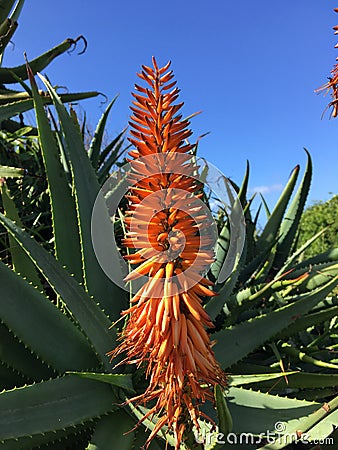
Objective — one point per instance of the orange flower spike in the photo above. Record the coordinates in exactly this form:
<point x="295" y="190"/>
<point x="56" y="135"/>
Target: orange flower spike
<point x="332" y="84"/>
<point x="166" y="330"/>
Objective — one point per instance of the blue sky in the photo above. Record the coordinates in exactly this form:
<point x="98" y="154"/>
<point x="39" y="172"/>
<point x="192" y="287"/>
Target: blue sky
<point x="250" y="66"/>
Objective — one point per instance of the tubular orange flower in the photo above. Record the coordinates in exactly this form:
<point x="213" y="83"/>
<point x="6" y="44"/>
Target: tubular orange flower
<point x="168" y="227"/>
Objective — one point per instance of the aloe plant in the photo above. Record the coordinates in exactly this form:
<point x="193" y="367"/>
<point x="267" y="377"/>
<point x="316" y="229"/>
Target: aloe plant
<point x="13" y="102"/>
<point x="275" y="315"/>
<point x="57" y="377"/>
<point x="20" y="152"/>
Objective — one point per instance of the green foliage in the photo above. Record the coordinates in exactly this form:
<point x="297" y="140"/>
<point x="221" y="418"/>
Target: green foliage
<point x="275" y="316"/>
<point x="13" y="102"/>
<point x="69" y="319"/>
<point x="263" y="305"/>
<point x="272" y="324"/>
<point x="19" y="149"/>
<point x="315" y="218"/>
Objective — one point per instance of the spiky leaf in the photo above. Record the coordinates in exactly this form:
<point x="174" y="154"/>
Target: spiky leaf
<point x="65" y="226"/>
<point x="236" y="342"/>
<point x="87" y="194"/>
<point x="41" y="326"/>
<point x="52" y="405"/>
<point x="92" y="320"/>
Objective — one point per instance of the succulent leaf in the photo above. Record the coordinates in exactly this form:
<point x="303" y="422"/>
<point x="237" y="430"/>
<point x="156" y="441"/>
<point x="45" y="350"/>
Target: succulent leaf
<point x="11" y="172"/>
<point x="6" y="7"/>
<point x="113" y="431"/>
<point x="45" y="329"/>
<point x="20" y="261"/>
<point x="87" y="193"/>
<point x="10" y="107"/>
<point x="271" y="233"/>
<point x="64" y="219"/>
<point x="92" y="320"/>
<point x="231" y="347"/>
<point x="95" y="145"/>
<point x="18" y="357"/>
<point x="290" y="224"/>
<point x="37" y="64"/>
<point x="123" y="381"/>
<point x="52" y="405"/>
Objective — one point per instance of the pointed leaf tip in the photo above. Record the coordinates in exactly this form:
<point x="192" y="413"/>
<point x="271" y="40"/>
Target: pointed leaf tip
<point x="224" y="416"/>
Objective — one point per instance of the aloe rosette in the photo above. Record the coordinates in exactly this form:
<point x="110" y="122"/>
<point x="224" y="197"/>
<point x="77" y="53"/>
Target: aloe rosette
<point x="273" y="320"/>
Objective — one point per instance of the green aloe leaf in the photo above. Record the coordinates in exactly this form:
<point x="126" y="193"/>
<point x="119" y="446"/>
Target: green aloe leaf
<point x="256" y="412"/>
<point x="95" y="145"/>
<point x="245" y="299"/>
<point x="21" y="263"/>
<point x="52" y="405"/>
<point x="8" y="110"/>
<point x="290" y="262"/>
<point x="5" y="8"/>
<point x="215" y="304"/>
<point x="271" y="231"/>
<point x="37" y="64"/>
<point x="7" y="30"/>
<point x="106" y="167"/>
<point x="226" y="247"/>
<point x="221" y="251"/>
<point x="266" y="206"/>
<point x="45" y="329"/>
<point x="92" y="320"/>
<point x="295" y="380"/>
<point x="314" y="395"/>
<point x="323" y="258"/>
<point x="17" y="10"/>
<point x="123" y="381"/>
<point x="256" y="416"/>
<point x="318" y="275"/>
<point x="324" y="428"/>
<point x="57" y="440"/>
<point x="12" y="126"/>
<point x="239" y="380"/>
<point x="114" y="431"/>
<point x="234" y="343"/>
<point x="104" y="154"/>
<point x="11" y="172"/>
<point x="223" y="413"/>
<point x="242" y="194"/>
<point x="290" y="224"/>
<point x="230" y="234"/>
<point x="16" y="356"/>
<point x="17" y="136"/>
<point x="251" y="230"/>
<point x="302" y="356"/>
<point x="87" y="194"/>
<point x="258" y="260"/>
<point x="9" y="377"/>
<point x="64" y="218"/>
<point x="316" y="426"/>
<point x="309" y="320"/>
<point x="11" y="107"/>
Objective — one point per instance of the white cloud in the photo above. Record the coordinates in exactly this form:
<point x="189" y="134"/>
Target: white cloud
<point x="267" y="189"/>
